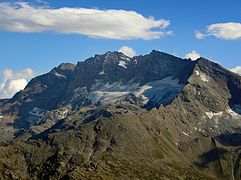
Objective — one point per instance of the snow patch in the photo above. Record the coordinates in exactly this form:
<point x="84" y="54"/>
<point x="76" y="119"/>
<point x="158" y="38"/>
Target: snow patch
<point x="228" y="111"/>
<point x="185" y="134"/>
<point x="122" y="64"/>
<point x="125" y="58"/>
<point x="161" y="91"/>
<point x="102" y="73"/>
<point x="109" y="92"/>
<point x="231" y="112"/>
<point x="202" y="76"/>
<point x="141" y="90"/>
<point x="60" y="75"/>
<point x="106" y="96"/>
<point x="211" y="114"/>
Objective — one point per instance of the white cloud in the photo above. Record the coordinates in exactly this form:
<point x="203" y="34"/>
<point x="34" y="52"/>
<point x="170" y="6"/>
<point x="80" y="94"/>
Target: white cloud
<point x="193" y="55"/>
<point x="226" y="31"/>
<point x="199" y="35"/>
<point x="237" y="70"/>
<point x="128" y="51"/>
<point x="95" y="23"/>
<point x="8" y="73"/>
<point x="14" y="81"/>
<point x="25" y="74"/>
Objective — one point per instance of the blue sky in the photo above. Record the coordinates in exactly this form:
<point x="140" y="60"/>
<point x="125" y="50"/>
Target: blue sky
<point x="41" y="50"/>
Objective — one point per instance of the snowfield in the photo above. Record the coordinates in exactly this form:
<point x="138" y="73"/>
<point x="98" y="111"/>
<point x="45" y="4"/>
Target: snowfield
<point x="155" y="92"/>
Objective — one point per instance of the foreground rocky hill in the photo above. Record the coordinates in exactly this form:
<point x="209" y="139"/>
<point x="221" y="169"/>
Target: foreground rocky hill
<point x="114" y="117"/>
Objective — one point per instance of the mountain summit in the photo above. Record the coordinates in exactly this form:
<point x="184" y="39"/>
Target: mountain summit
<point x="111" y="116"/>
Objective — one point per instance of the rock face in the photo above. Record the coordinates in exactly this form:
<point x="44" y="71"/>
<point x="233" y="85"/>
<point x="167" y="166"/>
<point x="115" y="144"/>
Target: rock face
<point x="114" y="117"/>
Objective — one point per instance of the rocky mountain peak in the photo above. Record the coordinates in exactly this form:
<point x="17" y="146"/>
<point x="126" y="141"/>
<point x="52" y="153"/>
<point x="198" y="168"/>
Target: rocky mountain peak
<point x="149" y="81"/>
<point x="110" y="56"/>
<point x="66" y="66"/>
<point x="159" y="53"/>
<point x="111" y="111"/>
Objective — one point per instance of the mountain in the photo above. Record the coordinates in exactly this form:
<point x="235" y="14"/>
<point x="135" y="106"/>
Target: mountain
<point x="114" y="117"/>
